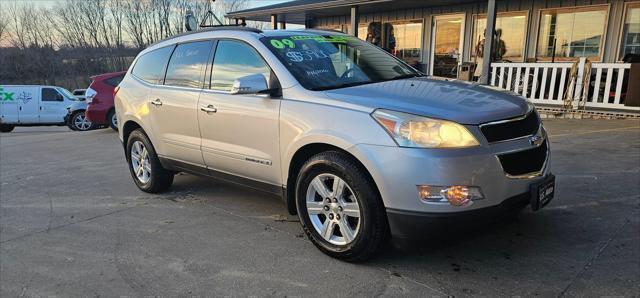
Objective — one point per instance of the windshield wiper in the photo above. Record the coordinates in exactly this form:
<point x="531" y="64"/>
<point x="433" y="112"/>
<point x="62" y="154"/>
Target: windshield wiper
<point x="345" y="85"/>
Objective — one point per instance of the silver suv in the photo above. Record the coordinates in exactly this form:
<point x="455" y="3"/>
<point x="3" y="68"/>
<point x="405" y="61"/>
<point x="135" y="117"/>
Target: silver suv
<point x="359" y="144"/>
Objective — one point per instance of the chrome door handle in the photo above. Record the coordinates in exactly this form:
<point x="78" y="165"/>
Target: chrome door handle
<point x="157" y="102"/>
<point x="209" y="109"/>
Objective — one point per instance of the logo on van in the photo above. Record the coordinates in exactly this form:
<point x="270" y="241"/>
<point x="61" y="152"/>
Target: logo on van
<point x="25" y="97"/>
<point x="5" y="95"/>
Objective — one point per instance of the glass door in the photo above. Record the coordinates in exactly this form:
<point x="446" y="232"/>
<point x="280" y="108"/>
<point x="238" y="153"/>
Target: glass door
<point x="446" y="45"/>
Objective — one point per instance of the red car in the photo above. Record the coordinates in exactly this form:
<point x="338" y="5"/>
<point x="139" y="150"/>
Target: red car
<point x="100" y="108"/>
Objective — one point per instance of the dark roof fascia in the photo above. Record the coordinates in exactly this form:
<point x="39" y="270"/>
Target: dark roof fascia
<point x="279" y="8"/>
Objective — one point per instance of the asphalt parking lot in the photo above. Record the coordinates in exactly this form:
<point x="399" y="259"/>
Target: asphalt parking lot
<point x="73" y="223"/>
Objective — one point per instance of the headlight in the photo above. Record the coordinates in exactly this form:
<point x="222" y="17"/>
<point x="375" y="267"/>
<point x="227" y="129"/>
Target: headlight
<point x="415" y="131"/>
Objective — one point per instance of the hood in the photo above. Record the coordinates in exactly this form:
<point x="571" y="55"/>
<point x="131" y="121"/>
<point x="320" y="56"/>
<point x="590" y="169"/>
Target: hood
<point x="77" y="105"/>
<point x="458" y="101"/>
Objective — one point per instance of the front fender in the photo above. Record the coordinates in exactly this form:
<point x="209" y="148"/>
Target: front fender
<point x="304" y="123"/>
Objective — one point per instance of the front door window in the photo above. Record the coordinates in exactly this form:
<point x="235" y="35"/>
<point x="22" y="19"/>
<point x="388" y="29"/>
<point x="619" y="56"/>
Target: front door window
<point x="447" y="45"/>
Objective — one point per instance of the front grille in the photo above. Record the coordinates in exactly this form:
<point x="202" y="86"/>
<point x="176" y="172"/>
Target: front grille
<point x="508" y="130"/>
<point x="524" y="162"/>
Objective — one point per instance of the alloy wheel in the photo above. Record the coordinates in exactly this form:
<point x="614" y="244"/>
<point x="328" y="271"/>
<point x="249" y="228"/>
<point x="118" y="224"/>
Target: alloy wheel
<point x="141" y="162"/>
<point x="114" y="120"/>
<point x="333" y="209"/>
<point x="80" y="122"/>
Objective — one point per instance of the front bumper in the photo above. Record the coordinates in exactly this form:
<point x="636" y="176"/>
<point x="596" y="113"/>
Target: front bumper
<point x="410" y="224"/>
<point x="397" y="171"/>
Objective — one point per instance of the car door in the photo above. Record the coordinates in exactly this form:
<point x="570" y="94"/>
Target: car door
<point x="174" y="103"/>
<point x="52" y="106"/>
<point x="10" y="104"/>
<point x="28" y="101"/>
<point x="239" y="131"/>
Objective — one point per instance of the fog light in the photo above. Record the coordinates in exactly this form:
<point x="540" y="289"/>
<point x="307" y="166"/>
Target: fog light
<point x="455" y="195"/>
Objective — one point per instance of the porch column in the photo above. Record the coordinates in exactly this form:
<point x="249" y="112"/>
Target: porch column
<point x="274" y="21"/>
<point x="283" y="25"/>
<point x="355" y="19"/>
<point x="488" y="42"/>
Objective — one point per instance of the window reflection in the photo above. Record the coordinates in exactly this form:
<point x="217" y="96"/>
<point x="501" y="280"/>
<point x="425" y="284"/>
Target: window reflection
<point x="187" y="64"/>
<point x="404" y="40"/>
<point x="509" y="39"/>
<point x="631" y="31"/>
<point x="234" y="60"/>
<point x="572" y="33"/>
<point x="150" y="66"/>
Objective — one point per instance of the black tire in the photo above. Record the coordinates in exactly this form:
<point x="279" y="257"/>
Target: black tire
<point x="160" y="178"/>
<point x="112" y="120"/>
<point x="374" y="229"/>
<point x="6" y="127"/>
<point x="72" y="122"/>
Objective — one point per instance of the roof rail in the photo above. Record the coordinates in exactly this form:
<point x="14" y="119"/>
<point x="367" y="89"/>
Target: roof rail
<point x="208" y="29"/>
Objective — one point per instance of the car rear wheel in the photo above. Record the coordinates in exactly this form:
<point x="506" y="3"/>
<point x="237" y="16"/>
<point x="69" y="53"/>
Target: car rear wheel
<point x="144" y="165"/>
<point x="113" y="120"/>
<point x="6" y="127"/>
<point x="79" y="121"/>
<point x="339" y="207"/>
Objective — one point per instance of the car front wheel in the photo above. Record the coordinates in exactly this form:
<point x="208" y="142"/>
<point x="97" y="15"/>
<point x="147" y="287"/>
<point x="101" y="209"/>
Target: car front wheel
<point x="79" y="121"/>
<point x="144" y="165"/>
<point x="339" y="207"/>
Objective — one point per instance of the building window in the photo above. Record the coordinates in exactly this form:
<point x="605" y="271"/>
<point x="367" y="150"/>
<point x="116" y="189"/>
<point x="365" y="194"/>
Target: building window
<point x="566" y="34"/>
<point x="631" y="31"/>
<point x="403" y="39"/>
<point x="371" y="32"/>
<point x="510" y="36"/>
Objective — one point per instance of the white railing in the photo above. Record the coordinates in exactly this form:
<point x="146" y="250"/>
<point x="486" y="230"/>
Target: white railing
<point x="552" y="83"/>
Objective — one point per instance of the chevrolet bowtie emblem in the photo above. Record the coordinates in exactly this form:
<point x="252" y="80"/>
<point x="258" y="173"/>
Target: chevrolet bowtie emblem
<point x="536" y="140"/>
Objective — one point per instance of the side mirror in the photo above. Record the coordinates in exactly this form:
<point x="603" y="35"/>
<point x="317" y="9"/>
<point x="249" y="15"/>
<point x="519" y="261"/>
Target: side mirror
<point x="251" y="84"/>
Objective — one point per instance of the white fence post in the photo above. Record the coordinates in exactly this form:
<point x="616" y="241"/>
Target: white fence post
<point x="553" y="91"/>
<point x="579" y="79"/>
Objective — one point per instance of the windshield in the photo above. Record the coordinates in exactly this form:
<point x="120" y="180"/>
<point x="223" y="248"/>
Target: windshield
<point x="322" y="62"/>
<point x="67" y="94"/>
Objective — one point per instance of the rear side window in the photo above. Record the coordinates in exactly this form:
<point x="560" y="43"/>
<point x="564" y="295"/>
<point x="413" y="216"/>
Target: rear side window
<point x="50" y="94"/>
<point x="187" y="64"/>
<point x="113" y="82"/>
<point x="150" y="66"/>
<point x="234" y="60"/>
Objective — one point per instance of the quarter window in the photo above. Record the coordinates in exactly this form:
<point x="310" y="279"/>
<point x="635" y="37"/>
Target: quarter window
<point x="572" y="33"/>
<point x="187" y="64"/>
<point x="234" y="60"/>
<point x="150" y="66"/>
<point x="631" y="31"/>
<point x="50" y="94"/>
<point x="509" y="38"/>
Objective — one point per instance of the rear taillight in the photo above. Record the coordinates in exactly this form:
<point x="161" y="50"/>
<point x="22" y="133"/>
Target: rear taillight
<point x="115" y="91"/>
<point x="90" y="94"/>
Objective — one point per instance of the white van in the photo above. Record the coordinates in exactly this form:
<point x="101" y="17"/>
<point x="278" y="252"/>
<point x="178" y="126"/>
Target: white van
<point x="32" y="105"/>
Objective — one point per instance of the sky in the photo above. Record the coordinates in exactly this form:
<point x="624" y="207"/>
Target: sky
<point x="49" y="3"/>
